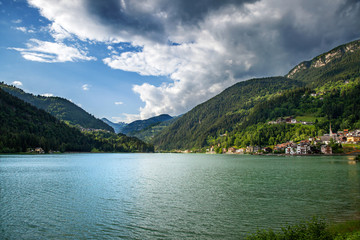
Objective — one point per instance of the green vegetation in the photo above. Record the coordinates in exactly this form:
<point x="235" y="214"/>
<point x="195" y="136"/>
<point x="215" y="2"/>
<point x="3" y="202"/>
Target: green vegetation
<point x="111" y="142"/>
<point x="315" y="229"/>
<point x="322" y="91"/>
<point x="60" y="108"/>
<point x="327" y="70"/>
<point x="339" y="106"/>
<point x="139" y="125"/>
<point x="221" y="113"/>
<point x="147" y="134"/>
<point x="24" y="126"/>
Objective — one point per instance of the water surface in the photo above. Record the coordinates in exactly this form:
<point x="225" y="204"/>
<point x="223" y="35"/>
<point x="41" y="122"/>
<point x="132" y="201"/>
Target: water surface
<point x="169" y="196"/>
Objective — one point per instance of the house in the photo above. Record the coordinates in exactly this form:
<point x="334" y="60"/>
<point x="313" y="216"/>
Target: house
<point x="303" y="149"/>
<point x="290" y="150"/>
<point x="257" y="149"/>
<point x="353" y="139"/>
<point x="326" y="149"/>
<point x="231" y="150"/>
<point x="288" y="120"/>
<point x="39" y="150"/>
<point x="282" y="146"/>
<point x="249" y="149"/>
<point x="293" y="121"/>
<point x="240" y="151"/>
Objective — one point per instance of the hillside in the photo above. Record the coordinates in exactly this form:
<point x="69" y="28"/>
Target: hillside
<point x="24" y="126"/>
<point x="340" y="64"/>
<point x="147" y="134"/>
<point x="60" y="108"/>
<point x="340" y="107"/>
<point x="221" y="113"/>
<point x="139" y="125"/>
<point x="324" y="89"/>
<point x="116" y="126"/>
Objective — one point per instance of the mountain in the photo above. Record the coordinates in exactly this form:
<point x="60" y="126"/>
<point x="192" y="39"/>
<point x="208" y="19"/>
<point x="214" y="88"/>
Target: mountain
<point x="24" y="126"/>
<point x="323" y="90"/>
<point x="340" y="64"/>
<point x="116" y="126"/>
<point x="221" y="113"/>
<point x="139" y="125"/>
<point x="147" y="134"/>
<point x="60" y="108"/>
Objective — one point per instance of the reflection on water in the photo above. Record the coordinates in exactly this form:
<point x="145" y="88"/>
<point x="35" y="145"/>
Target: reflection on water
<point x="146" y="196"/>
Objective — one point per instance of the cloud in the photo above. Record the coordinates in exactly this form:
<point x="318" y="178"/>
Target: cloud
<point x="119" y="103"/>
<point x="22" y="29"/>
<point x="50" y="52"/>
<point x="86" y="87"/>
<point x="58" y="32"/>
<point x="203" y="47"/>
<point x="47" y="95"/>
<point x="17" y="83"/>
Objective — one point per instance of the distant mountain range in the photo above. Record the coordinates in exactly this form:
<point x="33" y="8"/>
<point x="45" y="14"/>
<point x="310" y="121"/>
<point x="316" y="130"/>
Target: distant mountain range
<point x="116" y="126"/>
<point x="60" y="108"/>
<point x="139" y="125"/>
<point x="323" y="90"/>
<point x="142" y="129"/>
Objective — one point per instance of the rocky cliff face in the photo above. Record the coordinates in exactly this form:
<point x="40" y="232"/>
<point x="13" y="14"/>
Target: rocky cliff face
<point x="326" y="58"/>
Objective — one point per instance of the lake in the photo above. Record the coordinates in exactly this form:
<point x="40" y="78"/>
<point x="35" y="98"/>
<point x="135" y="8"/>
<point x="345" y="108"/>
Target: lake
<point x="170" y="196"/>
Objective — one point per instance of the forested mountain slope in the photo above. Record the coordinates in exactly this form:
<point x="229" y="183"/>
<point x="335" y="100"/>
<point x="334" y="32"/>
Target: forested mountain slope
<point x="24" y="126"/>
<point x="221" y="113"/>
<point x="324" y="89"/>
<point x="60" y="108"/>
<point x="340" y="64"/>
<point x="138" y="125"/>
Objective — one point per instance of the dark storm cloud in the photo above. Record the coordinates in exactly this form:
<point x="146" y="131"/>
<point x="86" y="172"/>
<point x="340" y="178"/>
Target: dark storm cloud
<point x="215" y="42"/>
<point x="190" y="11"/>
<point x="136" y="17"/>
<point x="124" y="18"/>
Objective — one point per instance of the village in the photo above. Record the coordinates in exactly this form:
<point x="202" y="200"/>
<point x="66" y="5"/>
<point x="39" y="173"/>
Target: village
<point x="313" y="145"/>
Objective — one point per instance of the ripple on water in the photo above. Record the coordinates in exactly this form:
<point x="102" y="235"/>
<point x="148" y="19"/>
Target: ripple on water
<point x="147" y="196"/>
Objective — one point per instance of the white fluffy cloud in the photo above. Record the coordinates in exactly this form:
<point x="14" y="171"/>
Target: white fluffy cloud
<point x="201" y="48"/>
<point x="17" y="83"/>
<point x="118" y="103"/>
<point x="43" y="51"/>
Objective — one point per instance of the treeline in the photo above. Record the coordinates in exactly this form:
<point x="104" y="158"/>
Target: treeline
<point x="221" y="113"/>
<point x="340" y="106"/>
<point x="24" y="126"/>
<point x="111" y="142"/>
<point x="60" y="108"/>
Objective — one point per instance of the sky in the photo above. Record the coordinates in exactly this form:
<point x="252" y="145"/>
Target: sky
<point x="134" y="59"/>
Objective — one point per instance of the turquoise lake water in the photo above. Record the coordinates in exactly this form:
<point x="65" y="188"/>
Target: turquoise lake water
<point x="170" y="196"/>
